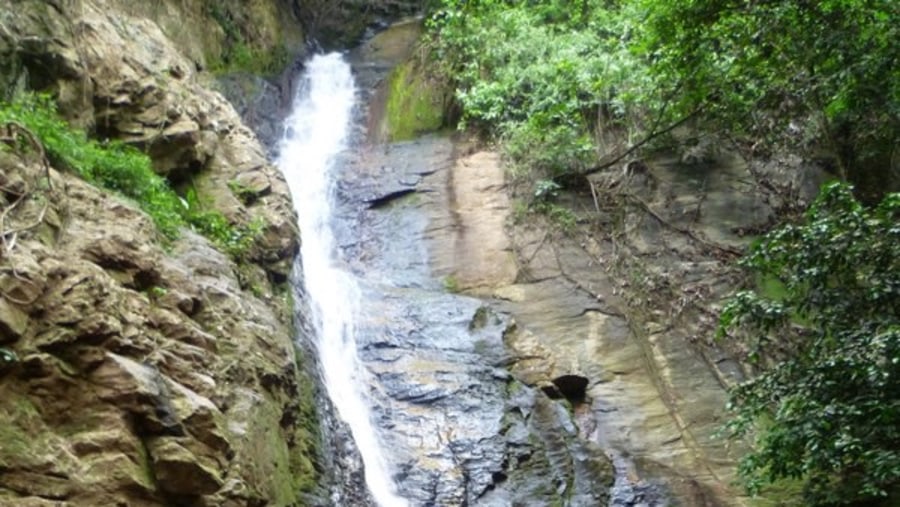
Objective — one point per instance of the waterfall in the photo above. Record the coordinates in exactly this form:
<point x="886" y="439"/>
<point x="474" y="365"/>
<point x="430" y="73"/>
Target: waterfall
<point x="315" y="134"/>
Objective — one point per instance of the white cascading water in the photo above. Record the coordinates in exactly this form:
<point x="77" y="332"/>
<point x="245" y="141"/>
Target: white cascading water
<point x="316" y="133"/>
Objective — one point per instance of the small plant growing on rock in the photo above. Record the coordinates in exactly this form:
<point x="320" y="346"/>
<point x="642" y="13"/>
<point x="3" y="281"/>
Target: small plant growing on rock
<point x="546" y="190"/>
<point x="110" y="165"/>
<point x="236" y="241"/>
<point x="451" y="284"/>
<point x="157" y="292"/>
<point x="242" y="192"/>
<point x="124" y="170"/>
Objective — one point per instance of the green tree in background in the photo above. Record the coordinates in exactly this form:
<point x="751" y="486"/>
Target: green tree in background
<point x="547" y="77"/>
<point x="824" y="70"/>
<point x="540" y="76"/>
<point x="828" y="411"/>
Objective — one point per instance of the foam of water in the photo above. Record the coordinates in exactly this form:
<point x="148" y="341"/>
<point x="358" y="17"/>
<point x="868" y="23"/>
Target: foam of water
<point x="315" y="134"/>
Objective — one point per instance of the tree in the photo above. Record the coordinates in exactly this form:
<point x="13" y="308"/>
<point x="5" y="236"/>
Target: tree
<point x="827" y="70"/>
<point x="826" y="406"/>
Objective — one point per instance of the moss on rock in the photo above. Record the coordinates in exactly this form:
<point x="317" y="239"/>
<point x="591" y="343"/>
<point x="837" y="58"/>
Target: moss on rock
<point x="415" y="103"/>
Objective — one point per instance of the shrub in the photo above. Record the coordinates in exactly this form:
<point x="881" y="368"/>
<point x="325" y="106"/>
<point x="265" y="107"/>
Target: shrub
<point x="539" y="75"/>
<point x="826" y="406"/>
<point x="111" y="165"/>
<point x="126" y="171"/>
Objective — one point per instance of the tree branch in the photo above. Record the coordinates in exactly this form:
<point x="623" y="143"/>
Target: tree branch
<point x="653" y="135"/>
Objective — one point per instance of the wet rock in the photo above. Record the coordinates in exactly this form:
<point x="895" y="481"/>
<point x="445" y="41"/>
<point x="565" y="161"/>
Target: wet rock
<point x="459" y="428"/>
<point x="384" y="200"/>
<point x="343" y="25"/>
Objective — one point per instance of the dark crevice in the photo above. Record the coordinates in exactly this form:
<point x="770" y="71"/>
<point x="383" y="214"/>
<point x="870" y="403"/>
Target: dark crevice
<point x="571" y="387"/>
<point x="382" y="201"/>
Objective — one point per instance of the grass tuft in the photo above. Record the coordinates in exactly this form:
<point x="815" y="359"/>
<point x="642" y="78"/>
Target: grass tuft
<point x="115" y="166"/>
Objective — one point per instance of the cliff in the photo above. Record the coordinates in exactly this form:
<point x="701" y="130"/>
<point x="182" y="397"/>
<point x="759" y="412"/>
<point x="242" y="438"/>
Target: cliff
<point x="139" y="370"/>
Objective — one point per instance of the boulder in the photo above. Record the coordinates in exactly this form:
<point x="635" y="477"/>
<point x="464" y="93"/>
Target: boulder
<point x="179" y="471"/>
<point x="140" y="390"/>
<point x="13" y="322"/>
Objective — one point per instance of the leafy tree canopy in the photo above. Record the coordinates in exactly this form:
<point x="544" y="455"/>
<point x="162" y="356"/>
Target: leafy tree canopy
<point x="548" y="76"/>
<point x="538" y="75"/>
<point x="825" y="69"/>
<point x="829" y="411"/>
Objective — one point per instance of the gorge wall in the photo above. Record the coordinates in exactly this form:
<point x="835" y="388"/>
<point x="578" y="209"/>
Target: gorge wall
<point x="138" y="371"/>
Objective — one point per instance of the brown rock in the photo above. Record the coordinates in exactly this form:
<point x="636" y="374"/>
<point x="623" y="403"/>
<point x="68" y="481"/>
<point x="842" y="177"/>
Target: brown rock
<point x="200" y="417"/>
<point x="127" y="344"/>
<point x="28" y="483"/>
<point x="181" y="472"/>
<point x="121" y="469"/>
<point x="252" y="184"/>
<point x="13" y="322"/>
<point x="27" y="283"/>
<point x="138" y="389"/>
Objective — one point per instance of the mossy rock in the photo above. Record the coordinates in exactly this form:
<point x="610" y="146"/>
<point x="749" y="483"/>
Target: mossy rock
<point x="415" y="103"/>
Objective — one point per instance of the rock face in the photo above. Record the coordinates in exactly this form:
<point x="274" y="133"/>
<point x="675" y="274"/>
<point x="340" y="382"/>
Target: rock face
<point x="133" y="373"/>
<point x="629" y="301"/>
<point x="342" y="24"/>
<point x="613" y="319"/>
<point x="458" y="427"/>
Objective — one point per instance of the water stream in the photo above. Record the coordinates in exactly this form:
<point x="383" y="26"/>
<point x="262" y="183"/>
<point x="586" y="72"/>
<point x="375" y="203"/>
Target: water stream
<point x="316" y="133"/>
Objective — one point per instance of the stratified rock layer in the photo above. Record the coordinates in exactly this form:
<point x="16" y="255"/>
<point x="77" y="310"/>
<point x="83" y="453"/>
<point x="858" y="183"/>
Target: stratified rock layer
<point x="137" y="374"/>
<point x="460" y="428"/>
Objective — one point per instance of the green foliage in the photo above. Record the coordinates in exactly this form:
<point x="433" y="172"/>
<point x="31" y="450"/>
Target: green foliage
<point x="559" y="215"/>
<point x="546" y="190"/>
<point x="124" y="170"/>
<point x="759" y="66"/>
<point x="242" y="192"/>
<point x="827" y="408"/>
<point x="451" y="284"/>
<point x="545" y="76"/>
<point x="539" y="75"/>
<point x="233" y="240"/>
<point x="156" y="292"/>
<point x="111" y="165"/>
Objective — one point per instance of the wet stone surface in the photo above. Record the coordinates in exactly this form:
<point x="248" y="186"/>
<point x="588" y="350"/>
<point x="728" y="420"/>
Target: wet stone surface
<point x="457" y="427"/>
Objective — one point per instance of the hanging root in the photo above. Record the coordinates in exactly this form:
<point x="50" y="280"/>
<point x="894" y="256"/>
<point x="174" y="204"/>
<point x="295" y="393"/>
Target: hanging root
<point x="17" y="135"/>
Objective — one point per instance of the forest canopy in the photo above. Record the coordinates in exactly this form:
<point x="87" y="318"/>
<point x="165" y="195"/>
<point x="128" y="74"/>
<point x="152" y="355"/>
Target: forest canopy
<point x="552" y="78"/>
